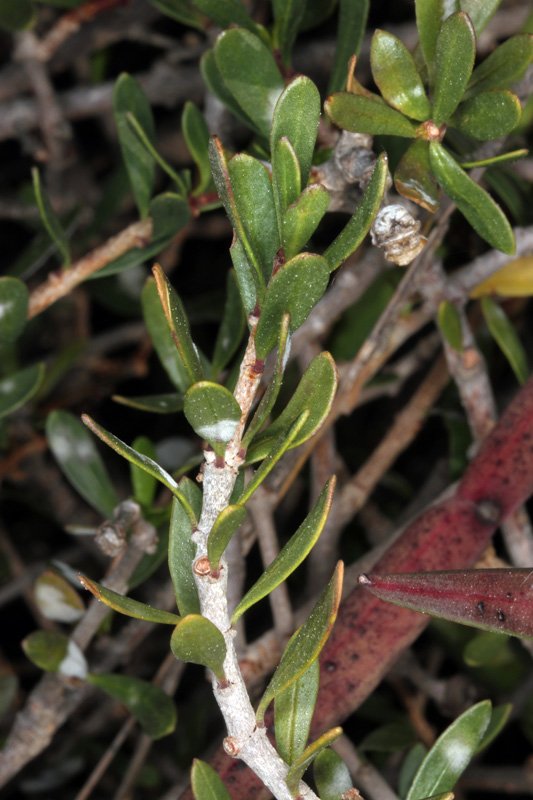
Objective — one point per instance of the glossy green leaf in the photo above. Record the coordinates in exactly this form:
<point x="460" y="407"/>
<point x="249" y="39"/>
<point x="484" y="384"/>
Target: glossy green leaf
<point x="296" y="116"/>
<point x="142" y="461"/>
<point x="255" y="210"/>
<point x="505" y="66"/>
<point x="196" y="135"/>
<point x="15" y="16"/>
<point x="294" y="289"/>
<point x="215" y="82"/>
<point x="352" y="235"/>
<point x="14" y="297"/>
<point x="247" y="283"/>
<point x="49" y="218"/>
<point x="169" y="403"/>
<point x="286" y="178"/>
<point x="161" y="336"/>
<point x="488" y="115"/>
<point x="144" y="485"/>
<point x="182" y="549"/>
<point x="226" y="13"/>
<point x="305" y="760"/>
<point x="178" y="324"/>
<point x="451" y="753"/>
<point x="449" y="323"/>
<point x="128" y="97"/>
<point x="484" y="215"/>
<point x="19" y="387"/>
<point x="54" y="652"/>
<point x="429" y="16"/>
<point x="125" y="605"/>
<point x="397" y="77"/>
<point x="362" y="114"/>
<point x="480" y="12"/>
<point x="224" y="528"/>
<point x="213" y="413"/>
<point x="413" y="177"/>
<point x="232" y="327"/>
<point x="351" y="26"/>
<point x="292" y="554"/>
<point x="153" y="709"/>
<point x="76" y="454"/>
<point x="305" y="645"/>
<point x="57" y="599"/>
<point x="500" y="717"/>
<point x="250" y="74"/>
<point x="302" y="218"/>
<point x="314" y="395"/>
<point x="502" y="158"/>
<point x="198" y="641"/>
<point x="183" y="11"/>
<point x="504" y="333"/>
<point x="206" y="783"/>
<point x="332" y="777"/>
<point x="293" y="712"/>
<point x="454" y="61"/>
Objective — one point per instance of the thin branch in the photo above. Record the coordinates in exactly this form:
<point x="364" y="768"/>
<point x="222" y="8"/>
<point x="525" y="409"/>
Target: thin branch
<point x="364" y="775"/>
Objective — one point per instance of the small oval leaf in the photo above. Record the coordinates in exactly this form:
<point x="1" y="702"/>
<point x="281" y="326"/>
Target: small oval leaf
<point x="224" y="527"/>
<point x="49" y="218"/>
<point x="128" y="606"/>
<point x="332" y="776"/>
<point x="14" y="297"/>
<point x="363" y="114"/>
<point x="296" y="117"/>
<point x="196" y="135"/>
<point x="454" y="61"/>
<point x="504" y="333"/>
<point x="293" y="712"/>
<point x="198" y="641"/>
<point x="488" y="115"/>
<point x="300" y="765"/>
<point x="397" y="77"/>
<point x="213" y="412"/>
<point x="152" y="708"/>
<point x="169" y="403"/>
<point x="206" y="783"/>
<point x="19" y="387"/>
<point x="351" y="26"/>
<point x="286" y="177"/>
<point x="161" y="337"/>
<point x="515" y="279"/>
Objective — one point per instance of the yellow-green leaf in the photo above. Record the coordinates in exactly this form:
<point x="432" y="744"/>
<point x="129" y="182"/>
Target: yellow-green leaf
<point x="515" y="279"/>
<point x="196" y="640"/>
<point x="57" y="599"/>
<point x="206" y="783"/>
<point x="128" y="606"/>
<point x="14" y="298"/>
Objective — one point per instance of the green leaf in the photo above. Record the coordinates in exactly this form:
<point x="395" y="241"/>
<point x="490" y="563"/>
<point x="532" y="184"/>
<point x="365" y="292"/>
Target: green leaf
<point x="488" y="115"/>
<point x="206" y="784"/>
<point x="224" y="527"/>
<point x="504" y="333"/>
<point x="212" y="412"/>
<point x="316" y="12"/>
<point x="255" y="211"/>
<point x="286" y="178"/>
<point x="454" y="61"/>
<point x="57" y="599"/>
<point x="14" y="297"/>
<point x="429" y="16"/>
<point x="152" y="708"/>
<point x="487" y="649"/>
<point x="302" y="218"/>
<point x="480" y="12"/>
<point x="76" y="454"/>
<point x="292" y="554"/>
<point x="353" y="233"/>
<point x="293" y="712"/>
<point x="505" y="65"/>
<point x="305" y="760"/>
<point x="296" y="117"/>
<point x="54" y="652"/>
<point x="15" y="16"/>
<point x="226" y="13"/>
<point x="484" y="215"/>
<point x="196" y="135"/>
<point x="351" y="26"/>
<point x="449" y="323"/>
<point x="216" y="84"/>
<point x="144" y="485"/>
<point x="413" y="177"/>
<point x="125" y="605"/>
<point x="49" y="218"/>
<point x="128" y="97"/>
<point x="451" y="753"/>
<point x="19" y="387"/>
<point x="144" y="139"/>
<point x="305" y="645"/>
<point x="313" y="396"/>
<point x="331" y="775"/>
<point x="142" y="461"/>
<point x="155" y="403"/>
<point x="389" y="738"/>
<point x="397" y="77"/>
<point x="161" y="337"/>
<point x="410" y="765"/>
<point x="288" y="14"/>
<point x="362" y="114"/>
<point x="182" y="550"/>
<point x="248" y="285"/>
<point x="198" y="641"/>
<point x="500" y="717"/>
<point x="181" y="11"/>
<point x="231" y="328"/>
<point x="294" y="289"/>
<point x="250" y="74"/>
<point x="179" y="326"/>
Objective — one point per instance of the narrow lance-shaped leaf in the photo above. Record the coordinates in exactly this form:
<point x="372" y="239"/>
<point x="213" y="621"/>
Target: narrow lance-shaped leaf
<point x="167" y="403"/>
<point x="286" y="178"/>
<point x="50" y="219"/>
<point x="363" y="114"/>
<point x="454" y="61"/>
<point x="485" y="216"/>
<point x="292" y="554"/>
<point x="76" y="454"/>
<point x="198" y="641"/>
<point x="152" y="708"/>
<point x="206" y="783"/>
<point x="488" y="115"/>
<point x="144" y="485"/>
<point x="451" y="753"/>
<point x="19" y="387"/>
<point x="126" y="605"/>
<point x="220" y="535"/>
<point x="196" y="135"/>
<point x="146" y="142"/>
<point x="14" y="297"/>
<point x="504" y="333"/>
<point x="450" y="324"/>
<point x="300" y="765"/>
<point x="305" y="645"/>
<point x="142" y="461"/>
<point x="182" y="550"/>
<point x="429" y="16"/>
<point x="215" y="82"/>
<point x="288" y="15"/>
<point x="179" y="325"/>
<point x="296" y="117"/>
<point x="331" y="775"/>
<point x="397" y="77"/>
<point x="302" y="218"/>
<point x="293" y="712"/>
<point x="352" y="235"/>
<point x="161" y="337"/>
<point x="499" y="600"/>
<point x="351" y="25"/>
<point x="213" y="413"/>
